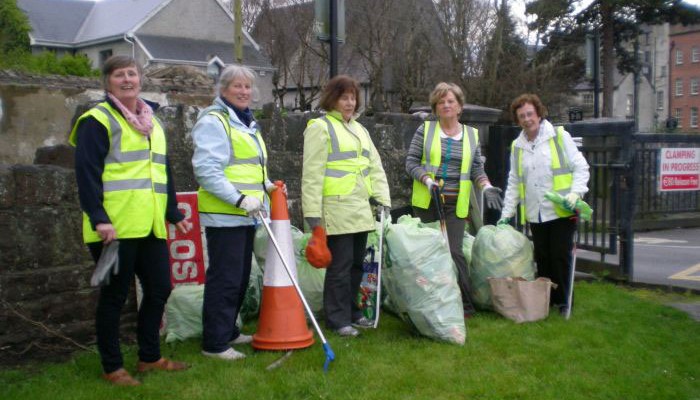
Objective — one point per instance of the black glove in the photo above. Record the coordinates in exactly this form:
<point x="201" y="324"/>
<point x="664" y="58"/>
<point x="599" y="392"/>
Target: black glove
<point x="492" y="198"/>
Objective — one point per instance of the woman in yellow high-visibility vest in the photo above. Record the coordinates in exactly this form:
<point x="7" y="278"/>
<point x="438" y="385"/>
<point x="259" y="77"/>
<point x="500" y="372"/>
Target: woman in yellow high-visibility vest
<point x="342" y="171"/>
<point x="230" y="165"/>
<point x="545" y="159"/>
<point x="126" y="193"/>
<point x="449" y="151"/>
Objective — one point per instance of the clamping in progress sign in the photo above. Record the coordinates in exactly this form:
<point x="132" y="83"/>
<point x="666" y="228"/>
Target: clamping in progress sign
<point x="679" y="169"/>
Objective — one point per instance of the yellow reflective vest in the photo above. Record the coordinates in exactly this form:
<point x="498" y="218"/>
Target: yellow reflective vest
<point x="134" y="178"/>
<point x="432" y="153"/>
<point x="562" y="176"/>
<point x="246" y="170"/>
<point x="345" y="159"/>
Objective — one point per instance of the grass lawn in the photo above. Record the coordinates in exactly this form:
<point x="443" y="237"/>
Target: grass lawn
<point x="619" y="344"/>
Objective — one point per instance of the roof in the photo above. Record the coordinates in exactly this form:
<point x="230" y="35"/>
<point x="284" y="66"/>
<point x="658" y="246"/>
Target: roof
<point x="164" y="48"/>
<point x="75" y="22"/>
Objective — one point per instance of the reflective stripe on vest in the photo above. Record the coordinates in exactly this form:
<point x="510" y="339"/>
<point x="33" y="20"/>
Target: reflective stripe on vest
<point x="246" y="169"/>
<point x="432" y="153"/>
<point x="562" y="177"/>
<point x="134" y="180"/>
<point x="348" y="158"/>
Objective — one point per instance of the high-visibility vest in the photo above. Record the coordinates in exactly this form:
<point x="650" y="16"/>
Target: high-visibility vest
<point x="562" y="177"/>
<point x="431" y="163"/>
<point x="348" y="157"/>
<point x="246" y="170"/>
<point x="134" y="179"/>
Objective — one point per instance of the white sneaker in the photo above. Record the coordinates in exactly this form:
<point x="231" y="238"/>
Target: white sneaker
<point x="229" y="354"/>
<point x="242" y="339"/>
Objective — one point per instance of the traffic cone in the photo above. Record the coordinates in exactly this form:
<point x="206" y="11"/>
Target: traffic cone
<point x="282" y="324"/>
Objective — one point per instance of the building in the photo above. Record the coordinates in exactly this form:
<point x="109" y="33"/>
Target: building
<point x="653" y="84"/>
<point x="158" y="33"/>
<point x="684" y="76"/>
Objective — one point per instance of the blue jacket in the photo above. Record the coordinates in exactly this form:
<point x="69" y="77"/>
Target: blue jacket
<point x="212" y="151"/>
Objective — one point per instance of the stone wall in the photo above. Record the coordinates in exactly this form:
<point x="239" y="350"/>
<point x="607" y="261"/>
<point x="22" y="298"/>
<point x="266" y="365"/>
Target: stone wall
<point x="45" y="298"/>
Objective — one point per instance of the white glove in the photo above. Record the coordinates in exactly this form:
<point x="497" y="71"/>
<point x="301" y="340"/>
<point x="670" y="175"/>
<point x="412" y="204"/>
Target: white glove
<point x="251" y="204"/>
<point x="570" y="200"/>
<point x="271" y="187"/>
<point x="429" y="182"/>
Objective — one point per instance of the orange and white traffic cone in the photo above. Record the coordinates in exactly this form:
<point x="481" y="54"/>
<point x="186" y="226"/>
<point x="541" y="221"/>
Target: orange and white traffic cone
<point x="282" y="325"/>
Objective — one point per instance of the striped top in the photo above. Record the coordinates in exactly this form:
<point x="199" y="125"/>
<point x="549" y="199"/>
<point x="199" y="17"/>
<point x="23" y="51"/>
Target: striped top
<point x="450" y="162"/>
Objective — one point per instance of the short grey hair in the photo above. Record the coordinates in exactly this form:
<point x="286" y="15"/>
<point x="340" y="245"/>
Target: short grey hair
<point x="233" y="72"/>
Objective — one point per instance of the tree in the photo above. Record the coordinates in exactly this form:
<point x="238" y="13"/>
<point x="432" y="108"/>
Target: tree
<point x="286" y="36"/>
<point x="617" y="20"/>
<point x="467" y="27"/>
<point x="14" y="30"/>
<point x="504" y="63"/>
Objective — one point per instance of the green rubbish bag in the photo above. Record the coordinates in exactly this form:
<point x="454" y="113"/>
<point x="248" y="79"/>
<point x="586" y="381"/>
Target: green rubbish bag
<point x="420" y="281"/>
<point x="183" y="313"/>
<point x="498" y="252"/>
<point x="253" y="296"/>
<point x="310" y="279"/>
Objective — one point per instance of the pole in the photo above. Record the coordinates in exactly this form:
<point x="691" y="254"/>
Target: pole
<point x="334" y="38"/>
<point x="636" y="84"/>
<point x="596" y="73"/>
<point x="238" y="31"/>
<point x="330" y="356"/>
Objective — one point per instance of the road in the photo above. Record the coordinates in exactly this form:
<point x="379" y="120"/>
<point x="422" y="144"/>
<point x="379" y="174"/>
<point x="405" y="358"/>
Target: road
<point x="668" y="257"/>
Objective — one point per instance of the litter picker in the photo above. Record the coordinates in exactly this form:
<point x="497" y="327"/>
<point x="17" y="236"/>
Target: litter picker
<point x="380" y="260"/>
<point x="439" y="199"/>
<point x="572" y="272"/>
<point x="330" y="356"/>
<point x="584" y="212"/>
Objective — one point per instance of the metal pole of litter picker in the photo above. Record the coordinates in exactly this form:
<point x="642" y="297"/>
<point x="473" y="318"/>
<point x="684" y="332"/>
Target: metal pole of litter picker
<point x="330" y="356"/>
<point x="379" y="268"/>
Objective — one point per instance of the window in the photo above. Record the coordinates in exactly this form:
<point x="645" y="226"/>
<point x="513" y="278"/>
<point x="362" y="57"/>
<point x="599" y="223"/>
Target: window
<point x="647" y="56"/>
<point x="694" y="83"/>
<point x="679" y="57"/>
<point x="694" y="117"/>
<point x="696" y="54"/>
<point x="679" y="116"/>
<point x="660" y="100"/>
<point x="663" y="70"/>
<point x="679" y="87"/>
<point x="104" y="55"/>
<point x="588" y="99"/>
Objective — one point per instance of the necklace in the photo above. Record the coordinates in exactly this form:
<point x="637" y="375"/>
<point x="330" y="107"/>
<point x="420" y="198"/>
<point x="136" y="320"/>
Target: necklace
<point x="452" y="131"/>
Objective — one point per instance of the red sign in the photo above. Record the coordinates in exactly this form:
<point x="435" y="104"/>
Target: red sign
<point x="185" y="250"/>
<point x="679" y="169"/>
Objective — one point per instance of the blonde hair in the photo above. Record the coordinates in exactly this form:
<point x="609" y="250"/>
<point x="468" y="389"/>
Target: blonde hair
<point x="441" y="90"/>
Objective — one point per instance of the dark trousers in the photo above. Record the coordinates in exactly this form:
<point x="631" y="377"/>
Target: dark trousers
<point x="230" y="255"/>
<point x="554" y="241"/>
<point x="148" y="259"/>
<point x="455" y="235"/>
<point x="343" y="278"/>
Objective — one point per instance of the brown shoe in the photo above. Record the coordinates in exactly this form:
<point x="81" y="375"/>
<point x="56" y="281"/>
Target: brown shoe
<point x="120" y="377"/>
<point x="163" y="365"/>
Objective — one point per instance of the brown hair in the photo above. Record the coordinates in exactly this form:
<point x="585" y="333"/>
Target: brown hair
<point x="441" y="90"/>
<point x="116" y="62"/>
<point x="335" y="88"/>
<point x="526" y="98"/>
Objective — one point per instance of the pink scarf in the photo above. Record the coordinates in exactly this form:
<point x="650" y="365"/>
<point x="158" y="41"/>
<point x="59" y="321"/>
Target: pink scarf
<point x="142" y="120"/>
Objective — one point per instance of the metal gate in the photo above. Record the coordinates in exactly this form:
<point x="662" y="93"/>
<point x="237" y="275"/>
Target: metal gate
<point x="608" y="147"/>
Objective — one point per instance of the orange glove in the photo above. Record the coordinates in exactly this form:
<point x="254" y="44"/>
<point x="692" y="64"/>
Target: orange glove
<point x="317" y="252"/>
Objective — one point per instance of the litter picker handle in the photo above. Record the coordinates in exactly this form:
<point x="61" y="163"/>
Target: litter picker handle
<point x="330" y="356"/>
